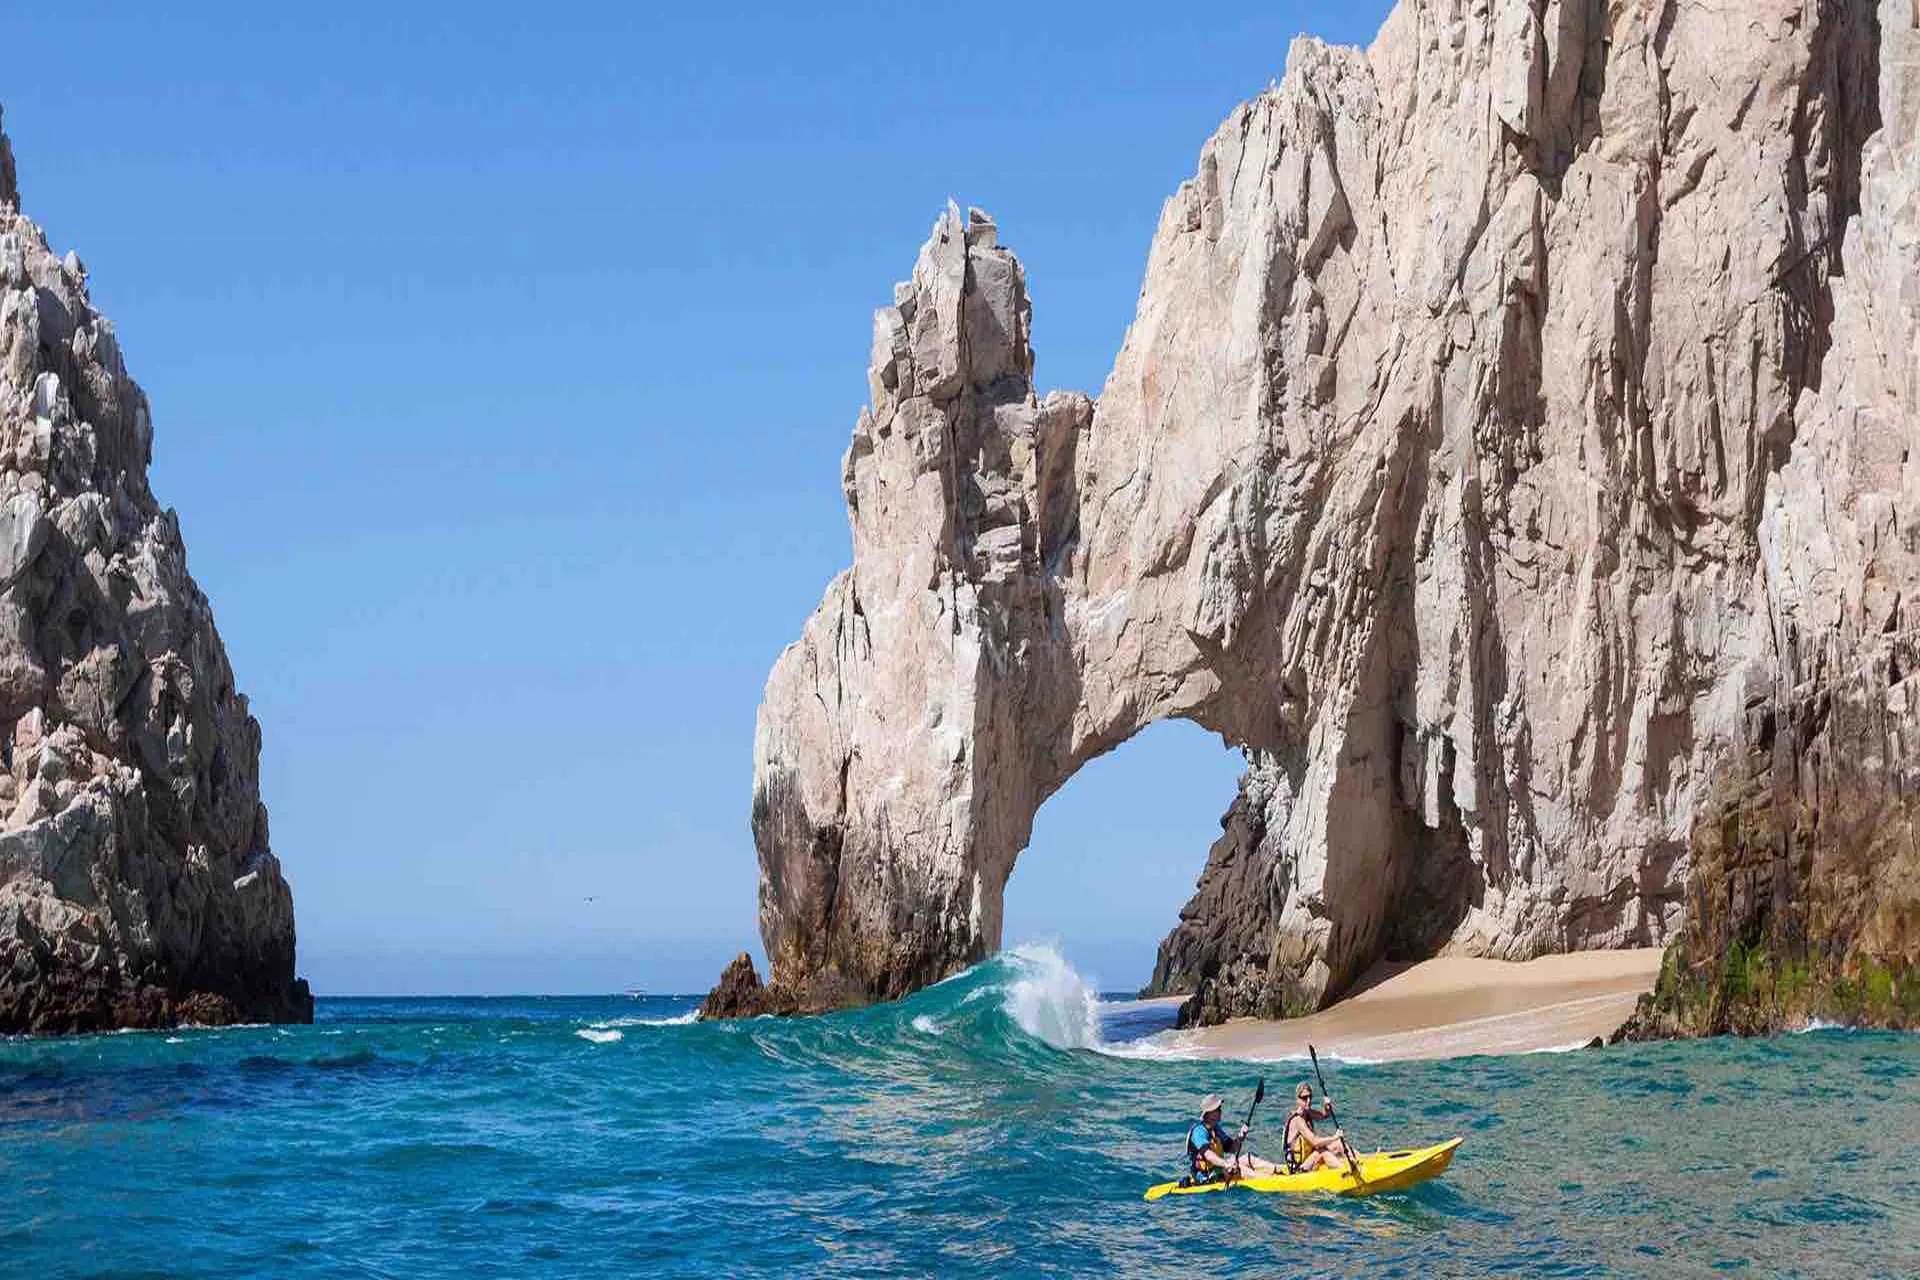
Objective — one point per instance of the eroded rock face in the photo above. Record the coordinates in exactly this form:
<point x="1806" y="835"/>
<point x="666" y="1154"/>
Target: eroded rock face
<point x="1515" y="413"/>
<point x="137" y="887"/>
<point x="1804" y="898"/>
<point x="1218" y="953"/>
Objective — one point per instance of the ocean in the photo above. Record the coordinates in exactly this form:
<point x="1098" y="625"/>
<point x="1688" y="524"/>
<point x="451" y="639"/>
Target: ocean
<point x="1003" y="1123"/>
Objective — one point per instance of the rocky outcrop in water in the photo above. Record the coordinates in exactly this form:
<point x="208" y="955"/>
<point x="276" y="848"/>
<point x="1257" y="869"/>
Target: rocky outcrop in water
<point x="137" y="887"/>
<point x="1217" y="954"/>
<point x="1511" y="452"/>
<point x="740" y="993"/>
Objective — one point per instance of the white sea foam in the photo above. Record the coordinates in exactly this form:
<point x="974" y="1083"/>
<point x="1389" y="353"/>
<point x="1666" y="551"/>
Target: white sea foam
<point x="599" y="1035"/>
<point x="1166" y="1046"/>
<point x="1820" y="1024"/>
<point x="1331" y="1055"/>
<point x="1050" y="1001"/>
<point x="678" y="1020"/>
<point x="926" y="1025"/>
<point x="1568" y="1047"/>
<point x="176" y="1040"/>
<point x="1184" y="1046"/>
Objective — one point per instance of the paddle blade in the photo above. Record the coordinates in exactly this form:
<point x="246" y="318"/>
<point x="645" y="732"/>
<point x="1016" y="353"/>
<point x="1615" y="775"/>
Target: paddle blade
<point x="1260" y="1091"/>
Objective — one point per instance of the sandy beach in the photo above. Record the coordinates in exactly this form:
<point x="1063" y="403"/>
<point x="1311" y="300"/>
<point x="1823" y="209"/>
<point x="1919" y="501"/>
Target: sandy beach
<point x="1450" y="1007"/>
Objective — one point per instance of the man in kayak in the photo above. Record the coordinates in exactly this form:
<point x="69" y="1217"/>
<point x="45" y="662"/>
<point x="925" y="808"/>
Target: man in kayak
<point x="1306" y="1149"/>
<point x="1212" y="1154"/>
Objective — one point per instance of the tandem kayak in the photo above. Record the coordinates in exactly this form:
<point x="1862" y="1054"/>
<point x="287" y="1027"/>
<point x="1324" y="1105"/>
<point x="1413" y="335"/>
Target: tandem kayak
<point x="1381" y="1171"/>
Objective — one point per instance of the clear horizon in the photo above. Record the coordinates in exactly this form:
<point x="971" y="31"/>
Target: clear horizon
<point x="503" y="415"/>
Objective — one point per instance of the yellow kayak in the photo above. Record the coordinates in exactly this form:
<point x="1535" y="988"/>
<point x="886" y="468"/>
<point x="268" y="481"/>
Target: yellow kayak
<point x="1381" y="1171"/>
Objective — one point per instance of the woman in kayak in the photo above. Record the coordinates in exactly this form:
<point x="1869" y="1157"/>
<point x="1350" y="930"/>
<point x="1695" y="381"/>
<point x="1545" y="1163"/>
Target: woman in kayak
<point x="1306" y="1149"/>
<point x="1212" y="1154"/>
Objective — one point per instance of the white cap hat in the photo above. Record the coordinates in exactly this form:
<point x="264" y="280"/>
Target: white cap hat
<point x="1211" y="1102"/>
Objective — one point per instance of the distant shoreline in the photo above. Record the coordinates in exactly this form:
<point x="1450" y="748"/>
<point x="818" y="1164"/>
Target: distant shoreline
<point x="1451" y="1007"/>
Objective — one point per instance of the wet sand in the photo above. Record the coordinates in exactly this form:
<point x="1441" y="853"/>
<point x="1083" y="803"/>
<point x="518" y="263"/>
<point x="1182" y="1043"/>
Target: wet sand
<point x="1450" y="1007"/>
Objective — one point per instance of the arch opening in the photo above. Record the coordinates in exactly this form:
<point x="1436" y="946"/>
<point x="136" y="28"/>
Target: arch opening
<point x="1117" y="851"/>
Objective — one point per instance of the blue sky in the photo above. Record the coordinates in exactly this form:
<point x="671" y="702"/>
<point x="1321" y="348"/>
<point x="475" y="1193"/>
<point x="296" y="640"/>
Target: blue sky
<point x="502" y="357"/>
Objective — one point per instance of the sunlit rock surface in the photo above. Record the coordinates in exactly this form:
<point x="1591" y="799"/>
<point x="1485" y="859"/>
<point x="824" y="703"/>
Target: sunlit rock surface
<point x="1510" y="451"/>
<point x="137" y="887"/>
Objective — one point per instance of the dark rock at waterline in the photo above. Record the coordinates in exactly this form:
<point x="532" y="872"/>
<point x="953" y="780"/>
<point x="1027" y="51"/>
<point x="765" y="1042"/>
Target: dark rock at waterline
<point x="1801" y="898"/>
<point x="739" y="993"/>
<point x="65" y="1004"/>
<point x="1217" y="955"/>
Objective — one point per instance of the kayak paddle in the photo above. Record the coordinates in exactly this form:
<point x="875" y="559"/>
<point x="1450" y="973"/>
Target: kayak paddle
<point x="1240" y="1143"/>
<point x="1353" y="1159"/>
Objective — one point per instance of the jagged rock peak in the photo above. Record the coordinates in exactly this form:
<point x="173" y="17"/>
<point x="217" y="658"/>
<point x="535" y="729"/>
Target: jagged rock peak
<point x="137" y="883"/>
<point x="739" y="993"/>
<point x="1510" y="451"/>
<point x="9" y="184"/>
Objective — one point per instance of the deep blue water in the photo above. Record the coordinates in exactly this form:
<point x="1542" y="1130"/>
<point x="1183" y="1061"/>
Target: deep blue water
<point x="949" y="1134"/>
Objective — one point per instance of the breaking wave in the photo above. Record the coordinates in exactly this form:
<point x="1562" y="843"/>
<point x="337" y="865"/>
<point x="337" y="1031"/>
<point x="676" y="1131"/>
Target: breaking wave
<point x="1049" y="1000"/>
<point x="1028" y="1004"/>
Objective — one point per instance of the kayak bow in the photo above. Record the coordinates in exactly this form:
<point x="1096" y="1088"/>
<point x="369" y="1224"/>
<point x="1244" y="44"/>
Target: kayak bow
<point x="1381" y="1171"/>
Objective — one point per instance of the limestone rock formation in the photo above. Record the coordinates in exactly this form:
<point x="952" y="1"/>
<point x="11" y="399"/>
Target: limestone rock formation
<point x="1511" y="452"/>
<point x="137" y="887"/>
<point x="1804" y="897"/>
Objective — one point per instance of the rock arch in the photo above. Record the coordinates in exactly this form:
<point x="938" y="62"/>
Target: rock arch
<point x="989" y="641"/>
<point x="1435" y="472"/>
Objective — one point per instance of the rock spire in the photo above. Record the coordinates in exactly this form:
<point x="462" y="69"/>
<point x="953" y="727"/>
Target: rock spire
<point x="137" y="886"/>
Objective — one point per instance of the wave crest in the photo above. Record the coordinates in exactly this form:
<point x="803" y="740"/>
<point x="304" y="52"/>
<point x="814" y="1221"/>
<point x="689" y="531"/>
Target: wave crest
<point x="1049" y="1000"/>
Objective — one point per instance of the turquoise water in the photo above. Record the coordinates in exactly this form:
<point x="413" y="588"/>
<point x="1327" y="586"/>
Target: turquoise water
<point x="984" y="1127"/>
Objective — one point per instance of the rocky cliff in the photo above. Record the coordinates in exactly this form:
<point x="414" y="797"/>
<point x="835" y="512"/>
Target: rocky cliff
<point x="1510" y="451"/>
<point x="137" y="887"/>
